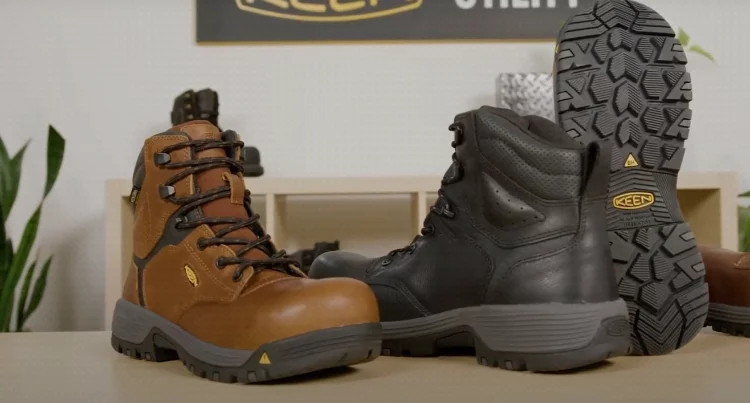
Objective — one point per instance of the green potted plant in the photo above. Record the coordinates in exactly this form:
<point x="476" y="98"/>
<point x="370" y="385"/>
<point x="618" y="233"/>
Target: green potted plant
<point x="14" y="260"/>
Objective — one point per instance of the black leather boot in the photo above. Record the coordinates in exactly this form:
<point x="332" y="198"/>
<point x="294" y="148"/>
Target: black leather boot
<point x="513" y="258"/>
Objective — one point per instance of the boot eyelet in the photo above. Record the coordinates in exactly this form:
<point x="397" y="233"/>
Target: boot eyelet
<point x="458" y="137"/>
<point x="428" y="230"/>
<point x="236" y="277"/>
<point x="162" y="159"/>
<point x="201" y="243"/>
<point x="386" y="262"/>
<point x="166" y="191"/>
<point x="220" y="264"/>
<point x="178" y="223"/>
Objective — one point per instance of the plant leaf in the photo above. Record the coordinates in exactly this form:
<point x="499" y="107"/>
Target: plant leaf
<point x="745" y="246"/>
<point x="683" y="37"/>
<point x="743" y="216"/>
<point x="21" y="308"/>
<point x="16" y="267"/>
<point x="699" y="50"/>
<point x="55" y="153"/>
<point x="5" y="180"/>
<point x="746" y="194"/>
<point x="6" y="246"/>
<point x="6" y="323"/>
<point x="39" y="286"/>
<point x="11" y="190"/>
<point x="6" y="251"/>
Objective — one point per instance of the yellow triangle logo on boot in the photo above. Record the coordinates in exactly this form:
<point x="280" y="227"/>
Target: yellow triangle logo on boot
<point x="631" y="162"/>
<point x="264" y="359"/>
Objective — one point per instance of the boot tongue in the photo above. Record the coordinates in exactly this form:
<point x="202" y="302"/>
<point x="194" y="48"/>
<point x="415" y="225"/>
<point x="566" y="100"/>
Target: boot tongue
<point x="213" y="178"/>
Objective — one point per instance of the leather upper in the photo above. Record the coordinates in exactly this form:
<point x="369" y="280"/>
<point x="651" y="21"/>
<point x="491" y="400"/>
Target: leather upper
<point x="181" y="281"/>
<point x="528" y="226"/>
<point x="727" y="275"/>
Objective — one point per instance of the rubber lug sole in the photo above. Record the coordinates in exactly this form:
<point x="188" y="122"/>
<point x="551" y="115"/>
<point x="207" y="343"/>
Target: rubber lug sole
<point x="621" y="78"/>
<point x="310" y="352"/>
<point x="733" y="320"/>
<point x="538" y="338"/>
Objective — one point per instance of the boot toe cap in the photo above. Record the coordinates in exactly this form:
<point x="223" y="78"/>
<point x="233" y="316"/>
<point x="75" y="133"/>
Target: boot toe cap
<point x="314" y="305"/>
<point x="342" y="302"/>
<point x="340" y="264"/>
<point x="282" y="310"/>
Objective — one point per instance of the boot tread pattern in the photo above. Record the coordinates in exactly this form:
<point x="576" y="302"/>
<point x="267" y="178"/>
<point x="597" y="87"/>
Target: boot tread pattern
<point x="662" y="281"/>
<point x="734" y="329"/>
<point x="621" y="78"/>
<point x="305" y="356"/>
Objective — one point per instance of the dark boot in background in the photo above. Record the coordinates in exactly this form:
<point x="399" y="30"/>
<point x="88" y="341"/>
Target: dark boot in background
<point x="204" y="105"/>
<point x="306" y="257"/>
<point x="728" y="278"/>
<point x="251" y="162"/>
<point x="513" y="259"/>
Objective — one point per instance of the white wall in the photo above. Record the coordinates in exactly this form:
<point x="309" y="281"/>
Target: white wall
<point x="104" y="72"/>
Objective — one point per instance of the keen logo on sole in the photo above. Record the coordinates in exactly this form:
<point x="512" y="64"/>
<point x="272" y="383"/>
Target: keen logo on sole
<point x="633" y="200"/>
<point x="328" y="10"/>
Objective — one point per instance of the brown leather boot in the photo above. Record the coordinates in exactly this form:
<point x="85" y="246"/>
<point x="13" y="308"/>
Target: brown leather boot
<point x="728" y="278"/>
<point x="208" y="287"/>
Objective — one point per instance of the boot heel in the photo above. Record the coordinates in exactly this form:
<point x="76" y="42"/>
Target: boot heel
<point x="134" y="335"/>
<point x="662" y="279"/>
<point x="147" y="350"/>
<point x="550" y="337"/>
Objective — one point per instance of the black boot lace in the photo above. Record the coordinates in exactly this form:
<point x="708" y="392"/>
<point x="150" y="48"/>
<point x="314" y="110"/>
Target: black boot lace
<point x="443" y="206"/>
<point x="277" y="260"/>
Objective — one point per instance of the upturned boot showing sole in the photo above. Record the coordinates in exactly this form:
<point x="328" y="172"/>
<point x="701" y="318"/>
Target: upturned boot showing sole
<point x="513" y="259"/>
<point x="621" y="79"/>
<point x="208" y="287"/>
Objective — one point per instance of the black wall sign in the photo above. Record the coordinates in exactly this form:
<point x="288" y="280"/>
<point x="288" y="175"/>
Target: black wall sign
<point x="257" y="21"/>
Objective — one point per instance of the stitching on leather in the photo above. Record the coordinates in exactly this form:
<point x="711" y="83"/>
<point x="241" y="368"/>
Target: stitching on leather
<point x="573" y="243"/>
<point x="566" y="230"/>
<point x="254" y="289"/>
<point x="400" y="287"/>
<point x="143" y="240"/>
<point x="371" y="270"/>
<point x="743" y="263"/>
<point x="516" y="154"/>
<point x="487" y="164"/>
<point x="209" y="272"/>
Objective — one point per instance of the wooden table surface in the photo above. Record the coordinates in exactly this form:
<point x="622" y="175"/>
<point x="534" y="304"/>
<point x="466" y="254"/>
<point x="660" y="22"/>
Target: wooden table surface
<point x="82" y="367"/>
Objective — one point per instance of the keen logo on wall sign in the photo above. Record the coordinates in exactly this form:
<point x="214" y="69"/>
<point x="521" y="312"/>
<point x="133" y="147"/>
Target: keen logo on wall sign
<point x="327" y="10"/>
<point x="263" y="21"/>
